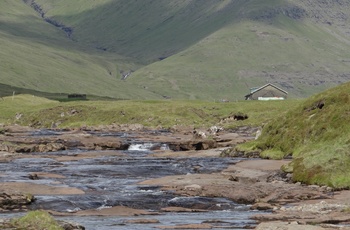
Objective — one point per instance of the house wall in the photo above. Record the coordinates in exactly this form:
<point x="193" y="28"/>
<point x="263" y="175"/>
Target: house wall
<point x="268" y="91"/>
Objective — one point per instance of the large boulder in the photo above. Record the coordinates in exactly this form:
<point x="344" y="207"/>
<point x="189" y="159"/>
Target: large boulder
<point x="193" y="145"/>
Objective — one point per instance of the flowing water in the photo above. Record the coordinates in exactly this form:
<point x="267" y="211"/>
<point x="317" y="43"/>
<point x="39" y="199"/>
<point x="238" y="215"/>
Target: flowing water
<point x="112" y="181"/>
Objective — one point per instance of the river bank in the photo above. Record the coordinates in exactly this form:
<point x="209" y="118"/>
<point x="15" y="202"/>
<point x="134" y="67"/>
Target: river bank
<point x="62" y="157"/>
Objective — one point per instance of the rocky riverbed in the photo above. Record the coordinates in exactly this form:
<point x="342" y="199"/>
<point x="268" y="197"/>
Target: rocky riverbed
<point x="139" y="175"/>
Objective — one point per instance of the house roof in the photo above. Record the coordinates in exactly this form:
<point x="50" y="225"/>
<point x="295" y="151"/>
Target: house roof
<point x="269" y="84"/>
<point x="262" y="87"/>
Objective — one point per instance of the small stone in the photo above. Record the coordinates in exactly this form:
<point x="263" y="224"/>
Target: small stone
<point x="262" y="206"/>
<point x="193" y="187"/>
<point x="143" y="221"/>
<point x="233" y="178"/>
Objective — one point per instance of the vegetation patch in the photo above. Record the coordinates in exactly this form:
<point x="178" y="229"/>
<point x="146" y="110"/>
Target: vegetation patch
<point x="39" y="112"/>
<point x="316" y="134"/>
<point x="36" y="220"/>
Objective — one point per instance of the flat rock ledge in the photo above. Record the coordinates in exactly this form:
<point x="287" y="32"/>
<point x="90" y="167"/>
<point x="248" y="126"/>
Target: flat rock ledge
<point x="326" y="215"/>
<point x="280" y="225"/>
<point x="259" y="183"/>
<point x="17" y="139"/>
<point x="15" y="202"/>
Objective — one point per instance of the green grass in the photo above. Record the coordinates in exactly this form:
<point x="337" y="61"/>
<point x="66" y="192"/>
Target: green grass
<point x="10" y="106"/>
<point x="317" y="138"/>
<point x="41" y="112"/>
<point x="36" y="220"/>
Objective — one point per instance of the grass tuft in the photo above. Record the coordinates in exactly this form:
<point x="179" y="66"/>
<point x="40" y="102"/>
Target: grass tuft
<point x="36" y="220"/>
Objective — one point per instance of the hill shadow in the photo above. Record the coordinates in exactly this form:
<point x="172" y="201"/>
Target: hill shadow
<point x="147" y="30"/>
<point x="8" y="90"/>
<point x="151" y="30"/>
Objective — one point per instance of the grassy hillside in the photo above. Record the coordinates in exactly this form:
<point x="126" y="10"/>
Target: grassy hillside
<point x="317" y="135"/>
<point x="299" y="55"/>
<point x="301" y="60"/>
<point x="38" y="56"/>
<point x="184" y="49"/>
<point x="147" y="30"/>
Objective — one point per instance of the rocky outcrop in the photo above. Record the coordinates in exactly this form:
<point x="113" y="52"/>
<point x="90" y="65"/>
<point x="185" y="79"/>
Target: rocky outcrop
<point x="193" y="145"/>
<point x="110" y="137"/>
<point x="70" y="226"/>
<point x="29" y="148"/>
<point x="112" y="145"/>
<point x="68" y="30"/>
<point x="15" y="202"/>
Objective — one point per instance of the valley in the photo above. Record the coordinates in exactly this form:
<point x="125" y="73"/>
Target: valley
<point x="174" y="50"/>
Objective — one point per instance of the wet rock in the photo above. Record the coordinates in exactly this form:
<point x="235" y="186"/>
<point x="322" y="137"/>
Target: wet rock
<point x="187" y="226"/>
<point x="49" y="147"/>
<point x="115" y="128"/>
<point x="286" y="226"/>
<point x="193" y="187"/>
<point x="24" y="149"/>
<point x="37" y="189"/>
<point x="322" y="207"/>
<point x="143" y="221"/>
<point x="181" y="209"/>
<point x="70" y="226"/>
<point x="279" y="176"/>
<point x="321" y="213"/>
<point x="262" y="206"/>
<point x="193" y="145"/>
<point x="116" y="145"/>
<point x="11" y="202"/>
<point x="7" y="148"/>
<point x="33" y="176"/>
<point x="233" y="178"/>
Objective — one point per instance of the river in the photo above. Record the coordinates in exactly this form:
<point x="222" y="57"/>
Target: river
<point x="111" y="180"/>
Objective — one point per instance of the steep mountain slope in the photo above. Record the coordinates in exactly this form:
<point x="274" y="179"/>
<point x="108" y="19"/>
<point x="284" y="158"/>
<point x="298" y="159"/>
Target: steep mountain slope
<point x="38" y="56"/>
<point x="148" y="30"/>
<point x="193" y="49"/>
<point x="297" y="47"/>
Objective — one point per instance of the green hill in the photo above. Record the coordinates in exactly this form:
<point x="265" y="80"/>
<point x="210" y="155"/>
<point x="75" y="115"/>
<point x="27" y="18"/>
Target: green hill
<point x="316" y="135"/>
<point x="38" y="56"/>
<point x="186" y="49"/>
<point x="292" y="51"/>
